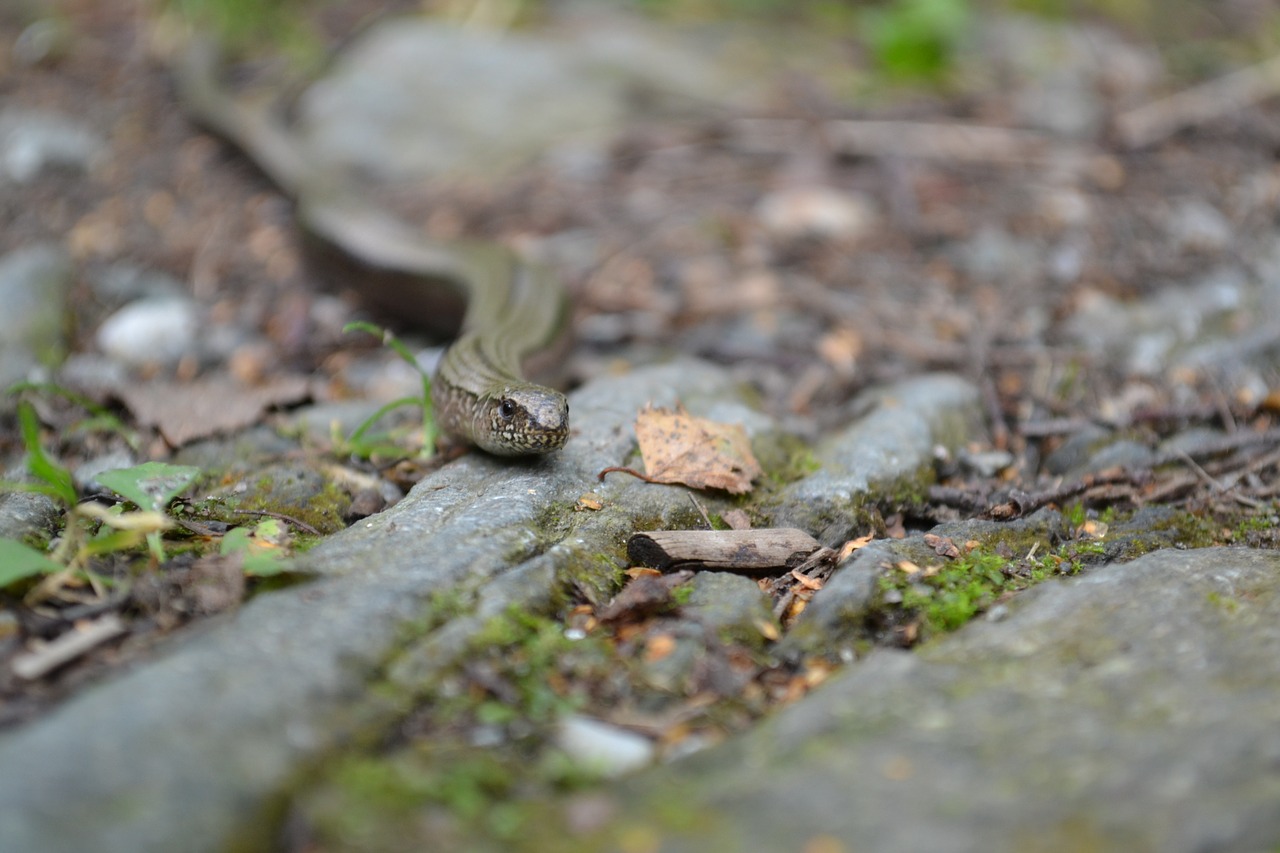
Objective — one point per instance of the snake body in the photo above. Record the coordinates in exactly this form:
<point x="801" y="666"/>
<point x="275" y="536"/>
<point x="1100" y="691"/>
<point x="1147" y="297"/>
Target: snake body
<point x="514" y="308"/>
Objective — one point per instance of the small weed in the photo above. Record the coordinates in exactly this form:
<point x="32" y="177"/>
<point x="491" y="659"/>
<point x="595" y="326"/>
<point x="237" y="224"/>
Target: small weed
<point x="364" y="444"/>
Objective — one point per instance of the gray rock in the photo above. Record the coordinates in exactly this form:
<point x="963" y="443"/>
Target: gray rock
<point x="602" y="748"/>
<point x="728" y="604"/>
<point x="33" y="140"/>
<point x="402" y="102"/>
<point x="886" y="451"/>
<point x="1074" y="453"/>
<point x="1148" y="337"/>
<point x="24" y="514"/>
<point x="34" y="283"/>
<point x="86" y="473"/>
<point x="157" y="330"/>
<point x="1134" y="708"/>
<point x="414" y="98"/>
<point x="218" y="723"/>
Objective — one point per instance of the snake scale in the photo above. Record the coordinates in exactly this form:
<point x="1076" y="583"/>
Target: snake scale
<point x="514" y="308"/>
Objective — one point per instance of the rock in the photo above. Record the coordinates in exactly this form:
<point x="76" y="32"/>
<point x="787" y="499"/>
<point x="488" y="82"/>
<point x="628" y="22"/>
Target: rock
<point x="814" y="211"/>
<point x="1197" y="226"/>
<point x="217" y="724"/>
<point x="28" y="514"/>
<point x="889" y="448"/>
<point x="600" y="748"/>
<point x="403" y="101"/>
<point x="151" y="331"/>
<point x="1137" y="706"/>
<point x="33" y="140"/>
<point x="34" y="283"/>
<point x="412" y="98"/>
<point x="86" y="473"/>
<point x="728" y="605"/>
<point x="1148" y="336"/>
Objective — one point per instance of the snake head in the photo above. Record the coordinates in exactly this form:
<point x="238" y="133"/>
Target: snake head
<point x="519" y="420"/>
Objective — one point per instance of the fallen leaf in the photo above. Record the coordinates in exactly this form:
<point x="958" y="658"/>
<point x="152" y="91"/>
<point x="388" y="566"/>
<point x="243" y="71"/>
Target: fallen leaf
<point x="679" y="448"/>
<point x="907" y="567"/>
<point x="943" y="546"/>
<point x="806" y="581"/>
<point x="768" y="630"/>
<point x="642" y="571"/>
<point x="185" y="411"/>
<point x="658" y="647"/>
<point x="588" y="501"/>
<point x="644" y="596"/>
<point x="853" y="545"/>
<point x="737" y="519"/>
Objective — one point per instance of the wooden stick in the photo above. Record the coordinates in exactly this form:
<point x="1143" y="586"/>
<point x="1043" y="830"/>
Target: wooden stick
<point x="1200" y="104"/>
<point x="950" y="141"/>
<point x="747" y="551"/>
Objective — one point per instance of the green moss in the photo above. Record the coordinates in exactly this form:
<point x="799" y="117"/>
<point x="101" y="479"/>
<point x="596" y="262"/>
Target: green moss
<point x="946" y="594"/>
<point x="323" y="510"/>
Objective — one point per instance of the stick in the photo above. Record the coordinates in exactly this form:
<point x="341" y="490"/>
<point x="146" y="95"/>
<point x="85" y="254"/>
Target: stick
<point x="748" y="551"/>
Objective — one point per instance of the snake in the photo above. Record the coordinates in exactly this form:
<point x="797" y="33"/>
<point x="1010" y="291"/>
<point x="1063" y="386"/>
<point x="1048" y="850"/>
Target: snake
<point x="515" y="308"/>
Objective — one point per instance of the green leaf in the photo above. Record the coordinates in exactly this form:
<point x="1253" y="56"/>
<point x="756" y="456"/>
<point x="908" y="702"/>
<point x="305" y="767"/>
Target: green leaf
<point x="57" y="480"/>
<point x="151" y="485"/>
<point x="17" y="561"/>
<point x="235" y="539"/>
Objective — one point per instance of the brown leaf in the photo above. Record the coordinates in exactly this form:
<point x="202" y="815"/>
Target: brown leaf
<point x="680" y="448"/>
<point x="185" y="411"/>
<point x="644" y="596"/>
<point x="854" y="545"/>
<point x="943" y="546"/>
<point x="737" y="519"/>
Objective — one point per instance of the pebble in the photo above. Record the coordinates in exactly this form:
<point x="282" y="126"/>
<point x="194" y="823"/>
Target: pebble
<point x="1197" y="226"/>
<point x="33" y="140"/>
<point x="820" y="212"/>
<point x="150" y="331"/>
<point x="86" y="473"/>
<point x="605" y="749"/>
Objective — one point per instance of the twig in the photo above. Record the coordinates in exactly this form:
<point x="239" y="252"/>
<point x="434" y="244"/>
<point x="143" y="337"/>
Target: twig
<point x="1199" y="105"/>
<point x="915" y="139"/>
<point x="282" y="517"/>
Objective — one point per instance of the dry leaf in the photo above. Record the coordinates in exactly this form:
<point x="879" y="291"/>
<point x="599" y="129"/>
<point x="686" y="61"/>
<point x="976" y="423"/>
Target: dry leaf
<point x="185" y="411"/>
<point x="806" y="581"/>
<point x="737" y="519"/>
<point x="853" y="545"/>
<point x="680" y="448"/>
<point x="589" y="501"/>
<point x="658" y="647"/>
<point x="942" y="545"/>
<point x="767" y="630"/>
<point x="907" y="567"/>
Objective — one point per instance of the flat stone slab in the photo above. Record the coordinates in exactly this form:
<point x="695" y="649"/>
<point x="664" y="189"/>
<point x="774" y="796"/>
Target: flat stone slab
<point x="1134" y="708"/>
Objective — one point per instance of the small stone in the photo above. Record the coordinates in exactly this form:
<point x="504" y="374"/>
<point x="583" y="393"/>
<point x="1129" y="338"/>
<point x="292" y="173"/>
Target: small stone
<point x="816" y="212"/>
<point x="86" y="473"/>
<point x="31" y="140"/>
<point x="150" y="331"/>
<point x="1197" y="226"/>
<point x="607" y="750"/>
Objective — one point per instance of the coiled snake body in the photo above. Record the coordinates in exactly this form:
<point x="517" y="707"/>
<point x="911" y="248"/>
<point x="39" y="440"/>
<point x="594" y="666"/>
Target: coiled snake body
<point x="514" y="308"/>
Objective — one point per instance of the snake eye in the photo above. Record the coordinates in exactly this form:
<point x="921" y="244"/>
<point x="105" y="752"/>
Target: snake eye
<point x="507" y="410"/>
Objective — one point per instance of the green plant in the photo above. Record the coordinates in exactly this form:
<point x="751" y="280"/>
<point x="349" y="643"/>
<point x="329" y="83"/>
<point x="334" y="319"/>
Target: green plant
<point x="151" y="487"/>
<point x="79" y="541"/>
<point x="916" y="40"/>
<point x="364" y="444"/>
